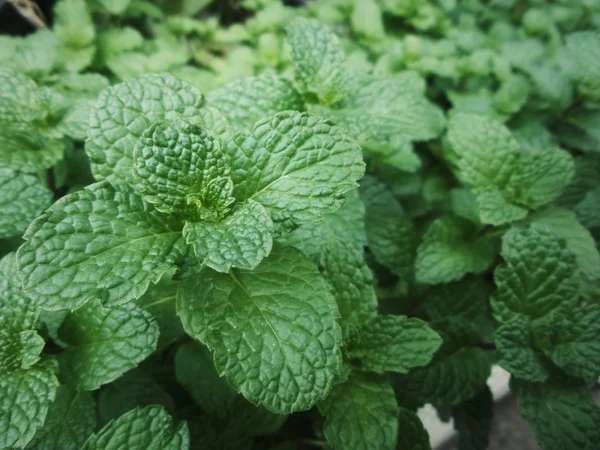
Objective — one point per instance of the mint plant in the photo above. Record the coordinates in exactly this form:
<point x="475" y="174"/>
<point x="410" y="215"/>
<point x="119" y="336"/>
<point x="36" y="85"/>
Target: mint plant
<point x="256" y="225"/>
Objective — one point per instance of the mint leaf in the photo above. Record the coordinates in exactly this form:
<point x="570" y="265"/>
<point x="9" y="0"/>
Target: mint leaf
<point x="73" y="23"/>
<point x="19" y="98"/>
<point x="124" y="111"/>
<point x="411" y="432"/>
<point x="136" y="388"/>
<point x="538" y="275"/>
<point x="318" y="59"/>
<point x="451" y="249"/>
<point x="473" y="421"/>
<point x="248" y="100"/>
<point x="367" y="20"/>
<point x="579" y="241"/>
<point x="360" y="413"/>
<point x="394" y="344"/>
<point x="74" y="122"/>
<point x="391" y="236"/>
<point x="71" y="419"/>
<point x="561" y="415"/>
<point x="241" y="240"/>
<point x="516" y="345"/>
<point x="73" y="247"/>
<point x="574" y="341"/>
<point x="140" y="429"/>
<point x="179" y="168"/>
<point x="28" y="150"/>
<point x="297" y="165"/>
<point x="485" y="153"/>
<point x="345" y="269"/>
<point x="583" y="48"/>
<point x="22" y="199"/>
<point x="347" y="224"/>
<point x="273" y="331"/>
<point x="495" y="208"/>
<point x="104" y="343"/>
<point x="25" y="397"/>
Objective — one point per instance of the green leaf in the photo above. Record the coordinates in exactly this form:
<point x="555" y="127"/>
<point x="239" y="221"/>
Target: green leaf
<point x="473" y="421"/>
<point x="579" y="241"/>
<point x="179" y="168"/>
<point x="411" y="432"/>
<point x="104" y="343"/>
<point x="451" y="249"/>
<point x="19" y="98"/>
<point x="248" y="100"/>
<point x="273" y="330"/>
<point x="360" y="414"/>
<point x="297" y="165"/>
<point x="138" y="387"/>
<point x="74" y="122"/>
<point x="319" y="62"/>
<point x="196" y="371"/>
<point x="74" y="249"/>
<point x="28" y="151"/>
<point x="495" y="209"/>
<point x="538" y="275"/>
<point x="391" y="236"/>
<point x="485" y="153"/>
<point x="516" y="345"/>
<point x="574" y="341"/>
<point x="241" y="240"/>
<point x="25" y="396"/>
<point x="115" y="6"/>
<point x="22" y="199"/>
<point x="73" y="23"/>
<point x="114" y="41"/>
<point x="367" y="20"/>
<point x="71" y="419"/>
<point x="395" y="344"/>
<point x="345" y="269"/>
<point x="149" y="428"/>
<point x="561" y="415"/>
<point x="583" y="49"/>
<point x="124" y="111"/>
<point x="159" y="300"/>
<point x="347" y="224"/>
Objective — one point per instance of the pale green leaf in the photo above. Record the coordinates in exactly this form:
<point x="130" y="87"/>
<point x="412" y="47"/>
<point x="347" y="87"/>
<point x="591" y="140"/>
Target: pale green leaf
<point x="71" y="419"/>
<point x="74" y="250"/>
<point x="360" y="414"/>
<point x="367" y="19"/>
<point x="19" y="100"/>
<point x="28" y="150"/>
<point x="103" y="343"/>
<point x="149" y="428"/>
<point x="115" y="6"/>
<point x="22" y="199"/>
<point x="273" y="330"/>
<point x="297" y="165"/>
<point x="394" y="344"/>
<point x="495" y="209"/>
<point x="241" y="240"/>
<point x="451" y="249"/>
<point x="73" y="23"/>
<point x="583" y="49"/>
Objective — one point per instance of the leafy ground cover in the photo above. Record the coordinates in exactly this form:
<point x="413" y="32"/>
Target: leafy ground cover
<point x="266" y="225"/>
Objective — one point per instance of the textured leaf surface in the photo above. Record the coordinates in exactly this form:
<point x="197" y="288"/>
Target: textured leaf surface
<point x="102" y="242"/>
<point x="347" y="224"/>
<point x="318" y="59"/>
<point x="579" y="241"/>
<point x="179" y="167"/>
<point x="17" y="311"/>
<point x="583" y="49"/>
<point x="297" y="165"/>
<point x="18" y="97"/>
<point x="27" y="150"/>
<point x="495" y="208"/>
<point x="124" y="111"/>
<point x="515" y="345"/>
<point x="448" y="252"/>
<point x="104" y="343"/>
<point x="149" y="428"/>
<point x="71" y="420"/>
<point x="395" y="344"/>
<point x="273" y="331"/>
<point x="22" y="199"/>
<point x="360" y="414"/>
<point x="538" y="274"/>
<point x="25" y="396"/>
<point x="561" y="416"/>
<point x="248" y="100"/>
<point x="240" y="240"/>
<point x="353" y="285"/>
